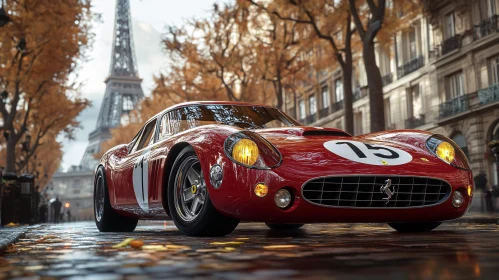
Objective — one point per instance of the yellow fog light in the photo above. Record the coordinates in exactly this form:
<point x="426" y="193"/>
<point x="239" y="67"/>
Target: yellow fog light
<point x="446" y="152"/>
<point x="261" y="190"/>
<point x="470" y="190"/>
<point x="245" y="151"/>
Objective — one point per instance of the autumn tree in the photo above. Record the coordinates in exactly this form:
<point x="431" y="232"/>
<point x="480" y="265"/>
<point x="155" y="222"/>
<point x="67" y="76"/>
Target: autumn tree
<point x="279" y="47"/>
<point x="329" y="21"/>
<point x="39" y="54"/>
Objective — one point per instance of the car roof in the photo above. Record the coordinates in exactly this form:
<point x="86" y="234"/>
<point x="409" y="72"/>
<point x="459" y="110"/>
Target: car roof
<point x="195" y="103"/>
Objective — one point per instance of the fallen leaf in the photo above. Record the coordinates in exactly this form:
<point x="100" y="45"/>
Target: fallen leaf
<point x="123" y="243"/>
<point x="227" y="243"/>
<point x="154" y="247"/>
<point x="279" y="247"/>
<point x="137" y="244"/>
<point x="11" y="224"/>
<point x="11" y="249"/>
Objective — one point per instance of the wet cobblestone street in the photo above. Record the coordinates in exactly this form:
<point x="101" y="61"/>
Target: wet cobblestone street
<point x="78" y="250"/>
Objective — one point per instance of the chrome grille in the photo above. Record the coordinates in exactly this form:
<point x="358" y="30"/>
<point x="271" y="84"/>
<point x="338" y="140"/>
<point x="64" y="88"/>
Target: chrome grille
<point x="364" y="191"/>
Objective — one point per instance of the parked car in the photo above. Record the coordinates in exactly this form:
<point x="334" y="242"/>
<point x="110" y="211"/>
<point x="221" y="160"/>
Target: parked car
<point x="210" y="165"/>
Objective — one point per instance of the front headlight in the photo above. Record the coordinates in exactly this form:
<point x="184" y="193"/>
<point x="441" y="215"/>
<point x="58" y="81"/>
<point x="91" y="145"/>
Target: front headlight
<point x="251" y="150"/>
<point x="245" y="151"/>
<point x="448" y="151"/>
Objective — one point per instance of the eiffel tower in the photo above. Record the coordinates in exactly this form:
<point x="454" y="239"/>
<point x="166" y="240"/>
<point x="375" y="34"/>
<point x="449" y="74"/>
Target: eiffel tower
<point x="123" y="86"/>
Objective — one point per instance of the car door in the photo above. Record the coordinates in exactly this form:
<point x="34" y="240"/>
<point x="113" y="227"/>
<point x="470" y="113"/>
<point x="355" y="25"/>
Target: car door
<point x="133" y="194"/>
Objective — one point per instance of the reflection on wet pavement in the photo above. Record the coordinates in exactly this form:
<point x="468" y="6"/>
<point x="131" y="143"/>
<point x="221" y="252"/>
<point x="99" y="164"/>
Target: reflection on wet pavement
<point x="454" y="251"/>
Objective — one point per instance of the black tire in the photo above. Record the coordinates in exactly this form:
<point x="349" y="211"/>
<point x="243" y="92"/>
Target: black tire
<point x="108" y="220"/>
<point x="414" y="227"/>
<point x="208" y="221"/>
<point x="284" y="226"/>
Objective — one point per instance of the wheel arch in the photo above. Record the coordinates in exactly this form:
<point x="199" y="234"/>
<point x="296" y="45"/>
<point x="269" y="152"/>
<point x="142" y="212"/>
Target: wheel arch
<point x="170" y="160"/>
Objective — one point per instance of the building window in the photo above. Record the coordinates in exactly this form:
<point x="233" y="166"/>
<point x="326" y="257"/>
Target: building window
<point x="449" y="28"/>
<point x="487" y="9"/>
<point x="325" y="97"/>
<point x="413" y="50"/>
<point x="461" y="142"/>
<point x="455" y="86"/>
<point x="312" y="104"/>
<point x="384" y="61"/>
<point x="301" y="109"/>
<point x="338" y="87"/>
<point x="494" y="67"/>
<point x="417" y="101"/>
<point x="410" y="47"/>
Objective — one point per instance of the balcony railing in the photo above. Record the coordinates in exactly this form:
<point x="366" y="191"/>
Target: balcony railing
<point x="454" y="106"/>
<point x="410" y="66"/>
<point x="486" y="27"/>
<point x="413" y="122"/>
<point x="310" y="119"/>
<point x="488" y="95"/>
<point x="337" y="106"/>
<point x="452" y="43"/>
<point x="387" y="79"/>
<point x="323" y="112"/>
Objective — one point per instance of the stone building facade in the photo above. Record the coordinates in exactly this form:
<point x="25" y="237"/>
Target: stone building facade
<point x="441" y="74"/>
<point x="76" y="188"/>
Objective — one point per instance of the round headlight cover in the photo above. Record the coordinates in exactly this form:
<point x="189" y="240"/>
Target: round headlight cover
<point x="251" y="150"/>
<point x="448" y="151"/>
<point x="245" y="151"/>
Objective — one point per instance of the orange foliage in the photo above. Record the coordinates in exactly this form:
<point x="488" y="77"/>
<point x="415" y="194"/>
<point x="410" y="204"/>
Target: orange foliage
<point x="39" y="53"/>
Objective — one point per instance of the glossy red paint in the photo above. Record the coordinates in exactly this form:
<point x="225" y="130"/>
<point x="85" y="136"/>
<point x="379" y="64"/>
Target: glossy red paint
<point x="304" y="157"/>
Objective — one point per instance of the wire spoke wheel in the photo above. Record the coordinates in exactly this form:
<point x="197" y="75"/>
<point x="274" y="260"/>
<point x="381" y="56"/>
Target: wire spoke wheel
<point x="190" y="189"/>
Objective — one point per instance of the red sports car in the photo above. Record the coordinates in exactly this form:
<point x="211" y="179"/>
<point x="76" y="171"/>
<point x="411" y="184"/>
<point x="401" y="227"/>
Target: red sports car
<point x="209" y="165"/>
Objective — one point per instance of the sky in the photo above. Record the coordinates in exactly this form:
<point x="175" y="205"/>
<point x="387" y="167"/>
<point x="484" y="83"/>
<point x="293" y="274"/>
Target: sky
<point x="149" y="18"/>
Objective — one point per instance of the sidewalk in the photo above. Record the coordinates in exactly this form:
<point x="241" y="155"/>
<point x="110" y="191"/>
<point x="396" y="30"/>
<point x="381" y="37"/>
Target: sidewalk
<point x="9" y="235"/>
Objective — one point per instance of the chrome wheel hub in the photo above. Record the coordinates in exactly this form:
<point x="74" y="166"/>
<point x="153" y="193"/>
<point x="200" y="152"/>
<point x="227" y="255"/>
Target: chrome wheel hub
<point x="190" y="190"/>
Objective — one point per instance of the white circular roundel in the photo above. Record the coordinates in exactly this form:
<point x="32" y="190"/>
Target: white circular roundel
<point x="374" y="154"/>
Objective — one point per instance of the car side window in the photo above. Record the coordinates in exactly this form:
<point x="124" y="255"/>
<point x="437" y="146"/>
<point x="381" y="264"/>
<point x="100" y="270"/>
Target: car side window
<point x="146" y="137"/>
<point x="164" y="128"/>
<point x="135" y="142"/>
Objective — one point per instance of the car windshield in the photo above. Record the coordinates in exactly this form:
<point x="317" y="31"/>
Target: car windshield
<point x="246" y="117"/>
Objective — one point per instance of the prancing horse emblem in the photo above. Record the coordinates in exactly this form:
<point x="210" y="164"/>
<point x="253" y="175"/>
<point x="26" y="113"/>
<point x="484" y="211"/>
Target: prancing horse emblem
<point x="386" y="190"/>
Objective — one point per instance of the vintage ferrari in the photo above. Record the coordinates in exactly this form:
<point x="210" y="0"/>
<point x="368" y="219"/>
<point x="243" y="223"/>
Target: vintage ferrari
<point x="210" y="165"/>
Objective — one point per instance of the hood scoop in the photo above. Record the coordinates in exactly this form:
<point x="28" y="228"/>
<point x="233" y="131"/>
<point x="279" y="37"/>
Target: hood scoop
<point x="324" y="132"/>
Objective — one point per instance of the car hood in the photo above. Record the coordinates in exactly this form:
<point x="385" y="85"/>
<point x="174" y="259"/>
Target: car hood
<point x="303" y="150"/>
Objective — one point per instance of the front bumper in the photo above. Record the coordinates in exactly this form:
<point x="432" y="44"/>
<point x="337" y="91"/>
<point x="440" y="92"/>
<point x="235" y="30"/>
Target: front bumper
<point x="237" y="199"/>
